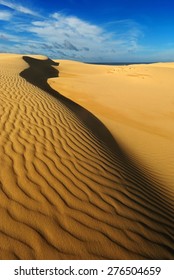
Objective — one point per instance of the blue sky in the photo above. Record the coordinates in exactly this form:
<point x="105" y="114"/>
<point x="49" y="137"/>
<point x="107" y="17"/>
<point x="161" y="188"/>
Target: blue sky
<point x="89" y="30"/>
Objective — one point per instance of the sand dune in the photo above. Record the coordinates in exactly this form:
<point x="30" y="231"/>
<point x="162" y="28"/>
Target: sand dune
<point x="135" y="102"/>
<point x="68" y="188"/>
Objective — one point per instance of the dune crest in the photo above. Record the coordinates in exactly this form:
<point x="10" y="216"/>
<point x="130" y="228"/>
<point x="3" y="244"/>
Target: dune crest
<point x="135" y="102"/>
<point x="66" y="190"/>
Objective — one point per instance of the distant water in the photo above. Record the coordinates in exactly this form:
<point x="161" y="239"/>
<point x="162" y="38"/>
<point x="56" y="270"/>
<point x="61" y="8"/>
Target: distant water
<point x="118" y="63"/>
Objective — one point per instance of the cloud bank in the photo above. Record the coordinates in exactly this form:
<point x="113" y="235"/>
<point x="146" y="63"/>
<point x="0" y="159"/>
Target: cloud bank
<point x="67" y="36"/>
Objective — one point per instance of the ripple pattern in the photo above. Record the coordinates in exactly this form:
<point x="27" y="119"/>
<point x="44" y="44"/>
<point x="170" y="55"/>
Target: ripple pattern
<point x="64" y="194"/>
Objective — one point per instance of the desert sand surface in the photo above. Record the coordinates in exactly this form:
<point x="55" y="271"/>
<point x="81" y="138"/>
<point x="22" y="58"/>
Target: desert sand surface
<point x="86" y="160"/>
<point x="135" y="102"/>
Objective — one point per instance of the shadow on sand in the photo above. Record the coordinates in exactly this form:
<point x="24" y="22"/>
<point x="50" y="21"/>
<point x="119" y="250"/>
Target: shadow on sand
<point x="39" y="72"/>
<point x="147" y="191"/>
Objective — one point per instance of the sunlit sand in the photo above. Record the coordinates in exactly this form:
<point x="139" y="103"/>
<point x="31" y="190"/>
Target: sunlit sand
<point x="86" y="160"/>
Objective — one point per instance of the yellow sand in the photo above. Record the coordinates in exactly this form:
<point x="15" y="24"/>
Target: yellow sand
<point x="68" y="189"/>
<point x="136" y="103"/>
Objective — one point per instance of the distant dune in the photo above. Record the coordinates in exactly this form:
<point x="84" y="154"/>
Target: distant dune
<point x="86" y="160"/>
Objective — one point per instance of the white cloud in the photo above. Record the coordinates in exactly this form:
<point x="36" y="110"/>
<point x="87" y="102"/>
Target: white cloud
<point x="67" y="36"/>
<point x="5" y="15"/>
<point x="81" y="39"/>
<point x="17" y="7"/>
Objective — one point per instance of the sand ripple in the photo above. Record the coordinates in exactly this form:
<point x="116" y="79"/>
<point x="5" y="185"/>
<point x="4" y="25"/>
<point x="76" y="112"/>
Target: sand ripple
<point x="67" y="190"/>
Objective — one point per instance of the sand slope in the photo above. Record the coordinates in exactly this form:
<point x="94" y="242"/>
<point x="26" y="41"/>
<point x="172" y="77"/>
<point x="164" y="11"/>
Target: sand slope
<point x="136" y="103"/>
<point x="67" y="188"/>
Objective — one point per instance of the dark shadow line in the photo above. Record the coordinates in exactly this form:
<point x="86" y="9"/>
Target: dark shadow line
<point x="141" y="185"/>
<point x="39" y="72"/>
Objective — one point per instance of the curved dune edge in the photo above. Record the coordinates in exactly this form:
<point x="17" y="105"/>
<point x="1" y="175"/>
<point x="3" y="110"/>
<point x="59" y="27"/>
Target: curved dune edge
<point x="64" y="194"/>
<point x="135" y="102"/>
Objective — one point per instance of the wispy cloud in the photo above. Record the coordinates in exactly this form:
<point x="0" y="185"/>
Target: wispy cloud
<point x="18" y="7"/>
<point x="68" y="36"/>
<point x="5" y="15"/>
<point x="80" y="38"/>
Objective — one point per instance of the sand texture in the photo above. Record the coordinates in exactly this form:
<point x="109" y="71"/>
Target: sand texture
<point x="76" y="177"/>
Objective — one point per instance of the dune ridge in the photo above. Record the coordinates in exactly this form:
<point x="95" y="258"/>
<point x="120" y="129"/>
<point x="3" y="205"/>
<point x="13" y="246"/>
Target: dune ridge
<point x="134" y="102"/>
<point x="68" y="190"/>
